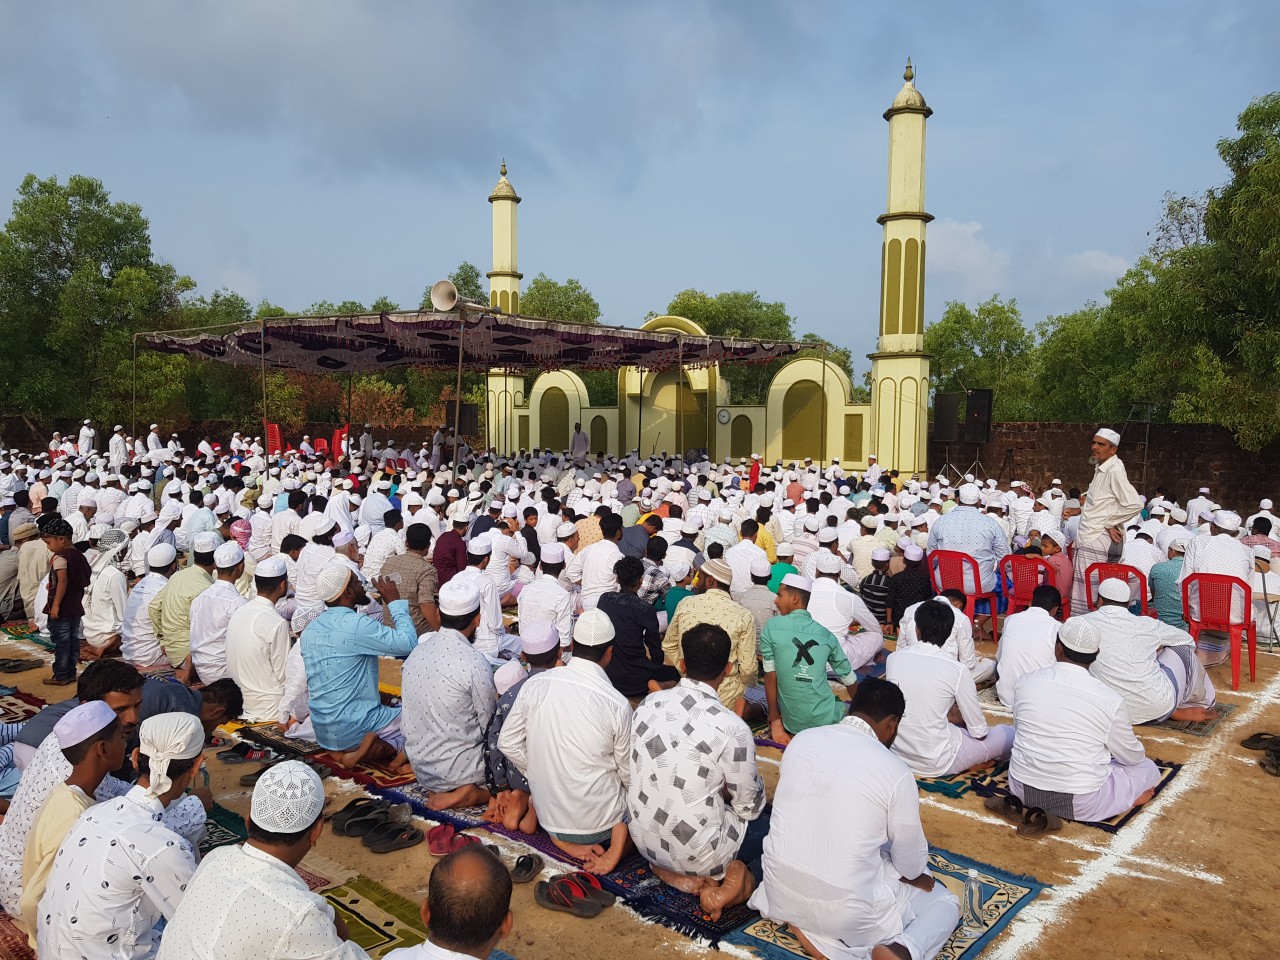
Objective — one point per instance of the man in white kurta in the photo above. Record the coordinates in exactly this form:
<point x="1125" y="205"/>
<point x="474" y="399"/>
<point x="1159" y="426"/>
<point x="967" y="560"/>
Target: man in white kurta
<point x="592" y="567"/>
<point x="139" y="644"/>
<point x="838" y="610"/>
<point x="258" y="644"/>
<point x="960" y="642"/>
<point x="1109" y="504"/>
<point x="1027" y="641"/>
<point x="544" y="600"/>
<point x="874" y="888"/>
<point x="211" y="613"/>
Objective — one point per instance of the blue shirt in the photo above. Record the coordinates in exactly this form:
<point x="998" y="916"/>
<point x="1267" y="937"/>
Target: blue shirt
<point x="968" y="530"/>
<point x="282" y="502"/>
<point x="1166" y="592"/>
<point x="340" y="649"/>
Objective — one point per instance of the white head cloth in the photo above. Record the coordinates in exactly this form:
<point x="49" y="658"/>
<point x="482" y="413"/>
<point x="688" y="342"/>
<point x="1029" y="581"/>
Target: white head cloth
<point x="166" y="737"/>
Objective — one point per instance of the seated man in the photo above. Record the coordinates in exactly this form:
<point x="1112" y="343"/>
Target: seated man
<point x="876" y="897"/>
<point x="569" y="733"/>
<point x="839" y="610"/>
<point x="120" y="872"/>
<point x="211" y="612"/>
<point x="636" y="665"/>
<point x="942" y="695"/>
<point x="491" y="637"/>
<point x="1027" y="640"/>
<point x="449" y="699"/>
<point x="468" y="908"/>
<point x="687" y="735"/>
<point x="509" y="792"/>
<point x="959" y="644"/>
<point x="1149" y="663"/>
<point x="340" y="651"/>
<point x="246" y="902"/>
<point x="1075" y="754"/>
<point x="138" y="644"/>
<point x="796" y="651"/>
<point x="258" y="643"/>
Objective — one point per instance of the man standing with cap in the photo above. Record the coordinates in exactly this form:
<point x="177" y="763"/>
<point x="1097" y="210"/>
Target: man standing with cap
<point x="449" y="699"/>
<point x="117" y="449"/>
<point x="257" y="645"/>
<point x="121" y="871"/>
<point x="88" y="435"/>
<point x="1110" y="503"/>
<point x="247" y="902"/>
<point x="1074" y="751"/>
<point x="211" y="612"/>
<point x="171" y="609"/>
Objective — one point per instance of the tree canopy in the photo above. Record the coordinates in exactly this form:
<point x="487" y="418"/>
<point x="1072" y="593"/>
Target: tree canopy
<point x="568" y="302"/>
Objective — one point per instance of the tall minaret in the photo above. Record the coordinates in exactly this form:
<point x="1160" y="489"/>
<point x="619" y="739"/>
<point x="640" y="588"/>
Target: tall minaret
<point x="900" y="367"/>
<point x="504" y="280"/>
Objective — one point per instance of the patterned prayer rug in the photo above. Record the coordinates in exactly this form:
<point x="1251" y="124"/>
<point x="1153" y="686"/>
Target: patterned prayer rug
<point x="644" y="893"/>
<point x="998" y="786"/>
<point x="1201" y="728"/>
<point x="17" y="706"/>
<point x="222" y="827"/>
<point x="25" y="631"/>
<point x="416" y="795"/>
<point x="364" y="774"/>
<point x="269" y="735"/>
<point x="1004" y="894"/>
<point x="962" y="783"/>
<point x="377" y="919"/>
<point x="13" y="940"/>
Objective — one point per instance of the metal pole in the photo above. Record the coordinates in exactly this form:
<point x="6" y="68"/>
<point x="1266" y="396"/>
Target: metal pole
<point x="262" y="357"/>
<point x="457" y="397"/>
<point x="824" y="404"/>
<point x="680" y="400"/>
<point x="640" y="405"/>
<point x="133" y="426"/>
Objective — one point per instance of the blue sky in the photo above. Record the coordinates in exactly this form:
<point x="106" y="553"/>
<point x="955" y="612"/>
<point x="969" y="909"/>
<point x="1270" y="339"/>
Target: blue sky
<point x="329" y="150"/>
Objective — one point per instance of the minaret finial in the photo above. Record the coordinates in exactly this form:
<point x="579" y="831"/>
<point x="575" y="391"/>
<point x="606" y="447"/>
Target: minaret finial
<point x="909" y="74"/>
<point x="502" y="171"/>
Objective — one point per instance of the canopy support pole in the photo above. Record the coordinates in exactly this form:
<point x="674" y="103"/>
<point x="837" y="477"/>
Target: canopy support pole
<point x="823" y="445"/>
<point x="133" y="426"/>
<point x="680" y="401"/>
<point x="457" y="395"/>
<point x="262" y="359"/>
<point x="640" y="415"/>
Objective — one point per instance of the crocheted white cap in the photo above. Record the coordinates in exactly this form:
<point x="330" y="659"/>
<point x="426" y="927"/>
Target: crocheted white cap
<point x="287" y="798"/>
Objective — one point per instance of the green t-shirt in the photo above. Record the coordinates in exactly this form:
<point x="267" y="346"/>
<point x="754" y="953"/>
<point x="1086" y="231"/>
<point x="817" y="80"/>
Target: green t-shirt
<point x="674" y="596"/>
<point x="780" y="570"/>
<point x="797" y="649"/>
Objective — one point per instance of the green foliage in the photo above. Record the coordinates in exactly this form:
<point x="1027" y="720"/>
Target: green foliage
<point x="469" y="281"/>
<point x="986" y="348"/>
<point x="384" y="305"/>
<point x="568" y="302"/>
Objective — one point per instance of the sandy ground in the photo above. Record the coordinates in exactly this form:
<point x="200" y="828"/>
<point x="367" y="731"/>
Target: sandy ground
<point x="1193" y="875"/>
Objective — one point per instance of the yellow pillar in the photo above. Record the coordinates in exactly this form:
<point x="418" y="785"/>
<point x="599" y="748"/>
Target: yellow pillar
<point x="900" y="367"/>
<point x="504" y="278"/>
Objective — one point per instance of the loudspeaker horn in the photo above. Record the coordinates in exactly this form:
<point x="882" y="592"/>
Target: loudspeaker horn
<point x="444" y="296"/>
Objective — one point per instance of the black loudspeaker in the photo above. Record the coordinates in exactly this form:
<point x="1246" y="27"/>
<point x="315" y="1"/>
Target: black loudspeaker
<point x="468" y="424"/>
<point x="977" y="416"/>
<point x="946" y="416"/>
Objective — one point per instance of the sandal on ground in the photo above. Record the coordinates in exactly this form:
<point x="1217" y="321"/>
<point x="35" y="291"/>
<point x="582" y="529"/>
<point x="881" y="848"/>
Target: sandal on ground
<point x="440" y="839"/>
<point x="526" y="868"/>
<point x="1261" y="741"/>
<point x="566" y="896"/>
<point x="1271" y="764"/>
<point x="355" y="808"/>
<point x="1038" y="822"/>
<point x="251" y="779"/>
<point x="244" y="752"/>
<point x="1008" y="808"/>
<point x="402" y="837"/>
<point x="590" y="885"/>
<point x="371" y="819"/>
<point x="461" y="840"/>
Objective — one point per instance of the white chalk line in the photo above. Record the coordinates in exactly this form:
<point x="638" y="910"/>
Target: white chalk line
<point x="1029" y="925"/>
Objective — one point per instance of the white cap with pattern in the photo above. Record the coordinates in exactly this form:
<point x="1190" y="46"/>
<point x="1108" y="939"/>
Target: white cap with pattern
<point x="287" y="798"/>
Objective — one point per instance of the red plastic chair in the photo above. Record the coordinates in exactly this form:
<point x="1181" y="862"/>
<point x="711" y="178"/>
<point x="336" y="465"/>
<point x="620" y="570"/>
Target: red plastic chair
<point x="1120" y="571"/>
<point x="948" y="570"/>
<point x="1022" y="574"/>
<point x="1215" y="593"/>
<point x="321" y="445"/>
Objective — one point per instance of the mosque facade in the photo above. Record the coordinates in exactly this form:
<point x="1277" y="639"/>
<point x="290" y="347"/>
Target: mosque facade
<point x="808" y="411"/>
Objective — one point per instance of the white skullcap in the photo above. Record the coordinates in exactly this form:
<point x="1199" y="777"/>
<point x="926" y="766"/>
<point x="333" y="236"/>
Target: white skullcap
<point x="811" y="524"/>
<point x="457" y="599"/>
<point x="287" y="798"/>
<point x="206" y="542"/>
<point x="383" y="485"/>
<point x="565" y="529"/>
<point x="690" y="528"/>
<point x="881" y="554"/>
<point x="209" y="500"/>
<point x="80" y="723"/>
<point x="342" y="538"/>
<point x="508" y="675"/>
<point x="1226" y="520"/>
<point x="797" y="582"/>
<point x="827" y="535"/>
<point x="509" y="512"/>
<point x="538" y="637"/>
<point x="1262" y="552"/>
<point x="784" y="550"/>
<point x="227" y="555"/>
<point x="1080" y="635"/>
<point x="870" y="522"/>
<point x="678" y="569"/>
<point x="828" y="562"/>
<point x="332" y="582"/>
<point x="970" y="493"/>
<point x="593" y="629"/>
<point x="760" y="567"/>
<point x="480" y="547"/>
<point x="719" y="571"/>
<point x="1115" y="589"/>
<point x="435" y="498"/>
<point x="553" y="553"/>
<point x="1057" y="536"/>
<point x="166" y="737"/>
<point x="913" y="552"/>
<point x="1264" y="504"/>
<point x="322" y="525"/>
<point x="161" y="555"/>
<point x="1108" y="435"/>
<point x="271" y="567"/>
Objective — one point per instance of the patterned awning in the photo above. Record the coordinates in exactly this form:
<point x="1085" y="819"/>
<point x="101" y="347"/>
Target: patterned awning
<point x="362" y="344"/>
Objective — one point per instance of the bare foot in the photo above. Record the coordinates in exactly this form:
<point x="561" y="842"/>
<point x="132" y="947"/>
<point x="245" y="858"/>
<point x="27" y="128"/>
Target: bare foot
<point x="890" y="951"/>
<point x="515" y="810"/>
<point x="530" y="822"/>
<point x="1194" y="714"/>
<point x="465" y="796"/>
<point x="1145" y="798"/>
<point x="607" y="862"/>
<point x="814" y="952"/>
<point x="493" y="812"/>
<point x="353" y="758"/>
<point x="681" y="881"/>
<point x="736" y="888"/>
<point x="579" y="851"/>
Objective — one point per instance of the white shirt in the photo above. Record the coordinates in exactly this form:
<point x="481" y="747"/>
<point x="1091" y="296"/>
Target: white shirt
<point x="93" y="907"/>
<point x="959" y="643"/>
<point x="490" y="629"/>
<point x="1127" y="661"/>
<point x="1110" y="502"/>
<point x="932" y="682"/>
<point x="257" y="647"/>
<point x="1070" y="726"/>
<point x="545" y="601"/>
<point x="282" y="524"/>
<point x="312" y="559"/>
<point x="593" y="568"/>
<point x="425" y="951"/>
<point x="104" y="605"/>
<point x="1221" y="554"/>
<point x="244" y="904"/>
<point x="739" y="557"/>
<point x="260" y="535"/>
<point x="849" y="906"/>
<point x="138" y="643"/>
<point x="1026" y="644"/>
<point x="210" y="614"/>
<point x="383" y="545"/>
<point x="569" y="733"/>
<point x="836" y="608"/>
<point x="1266" y="605"/>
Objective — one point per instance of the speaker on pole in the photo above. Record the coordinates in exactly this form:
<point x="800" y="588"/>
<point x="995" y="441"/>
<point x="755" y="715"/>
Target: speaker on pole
<point x="946" y="416"/>
<point x="977" y="416"/>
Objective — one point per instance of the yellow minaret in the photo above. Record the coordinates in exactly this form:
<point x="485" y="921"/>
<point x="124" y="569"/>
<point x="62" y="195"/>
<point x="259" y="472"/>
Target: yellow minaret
<point x="504" y="279"/>
<point x="900" y="367"/>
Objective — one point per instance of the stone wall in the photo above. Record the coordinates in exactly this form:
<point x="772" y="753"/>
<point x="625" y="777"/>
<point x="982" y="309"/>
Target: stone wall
<point x="1180" y="457"/>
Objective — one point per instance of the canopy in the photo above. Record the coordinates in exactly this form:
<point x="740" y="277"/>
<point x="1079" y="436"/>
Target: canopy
<point x="369" y="342"/>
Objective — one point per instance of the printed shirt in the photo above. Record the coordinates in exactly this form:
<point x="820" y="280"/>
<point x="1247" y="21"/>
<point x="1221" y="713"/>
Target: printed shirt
<point x="716" y="606"/>
<point x="1127" y="660"/>
<point x="968" y="530"/>
<point x="798" y="649"/>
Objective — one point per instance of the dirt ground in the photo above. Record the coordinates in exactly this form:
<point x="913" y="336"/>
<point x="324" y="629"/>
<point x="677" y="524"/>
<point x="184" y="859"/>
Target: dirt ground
<point x="1191" y="876"/>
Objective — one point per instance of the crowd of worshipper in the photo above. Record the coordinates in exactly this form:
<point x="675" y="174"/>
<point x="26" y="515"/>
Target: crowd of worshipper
<point x="591" y="646"/>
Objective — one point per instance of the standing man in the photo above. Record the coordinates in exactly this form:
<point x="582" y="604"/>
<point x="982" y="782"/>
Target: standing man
<point x="87" y="439"/>
<point x="117" y="449"/>
<point x="579" y="446"/>
<point x="1110" y="503"/>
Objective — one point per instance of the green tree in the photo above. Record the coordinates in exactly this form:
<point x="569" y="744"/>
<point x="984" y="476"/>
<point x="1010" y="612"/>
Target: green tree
<point x="1082" y="368"/>
<point x="469" y="281"/>
<point x="987" y="348"/>
<point x="384" y="305"/>
<point x="568" y="302"/>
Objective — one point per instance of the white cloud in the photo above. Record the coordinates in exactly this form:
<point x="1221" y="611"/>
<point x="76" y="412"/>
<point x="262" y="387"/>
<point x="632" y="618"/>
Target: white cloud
<point x="959" y="248"/>
<point x="1096" y="264"/>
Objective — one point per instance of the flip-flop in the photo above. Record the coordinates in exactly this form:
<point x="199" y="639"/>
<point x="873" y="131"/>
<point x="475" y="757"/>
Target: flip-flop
<point x="1038" y="822"/>
<point x="526" y="868"/>
<point x="590" y="885"/>
<point x="461" y="840"/>
<point x="1261" y="741"/>
<point x="404" y="837"/>
<point x="355" y="808"/>
<point x="1271" y="764"/>
<point x="244" y="752"/>
<point x="364" y="823"/>
<point x="566" y="896"/>
<point x="440" y="839"/>
<point x="1008" y="808"/>
<point x="20" y="666"/>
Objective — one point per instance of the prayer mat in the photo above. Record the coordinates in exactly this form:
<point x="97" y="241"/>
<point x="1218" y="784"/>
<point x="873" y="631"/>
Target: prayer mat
<point x="998" y="786"/>
<point x="364" y="774"/>
<point x="1004" y="894"/>
<point x="761" y="733"/>
<point x="17" y="707"/>
<point x="416" y="795"/>
<point x="377" y="919"/>
<point x="962" y="783"/>
<point x="313" y="881"/>
<point x="654" y="900"/>
<point x="24" y="631"/>
<point x="13" y="940"/>
<point x="1198" y="728"/>
<point x="223" y="827"/>
<point x="269" y="735"/>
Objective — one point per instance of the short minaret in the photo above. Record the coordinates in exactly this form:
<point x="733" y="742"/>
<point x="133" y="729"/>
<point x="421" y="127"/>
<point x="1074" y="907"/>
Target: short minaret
<point x="900" y="367"/>
<point x="504" y="278"/>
